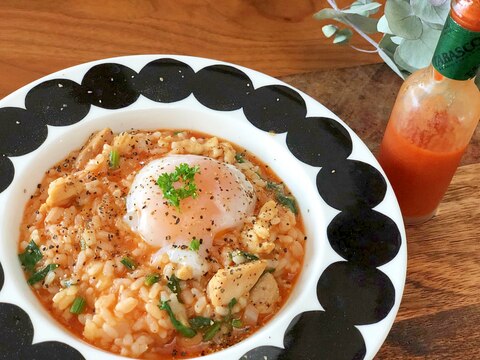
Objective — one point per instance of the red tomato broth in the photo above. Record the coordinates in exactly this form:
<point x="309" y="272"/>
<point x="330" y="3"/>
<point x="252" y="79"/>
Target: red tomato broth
<point x="172" y="349"/>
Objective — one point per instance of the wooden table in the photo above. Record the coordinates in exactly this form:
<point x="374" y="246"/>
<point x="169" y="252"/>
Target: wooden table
<point x="440" y="313"/>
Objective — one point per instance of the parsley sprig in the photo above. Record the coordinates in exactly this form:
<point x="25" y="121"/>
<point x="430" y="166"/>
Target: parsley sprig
<point x="31" y="256"/>
<point x="174" y="285"/>
<point x="183" y="173"/>
<point x="208" y="326"/>
<point x="195" y="244"/>
<point x="41" y="274"/>
<point x="186" y="331"/>
<point x="240" y="256"/>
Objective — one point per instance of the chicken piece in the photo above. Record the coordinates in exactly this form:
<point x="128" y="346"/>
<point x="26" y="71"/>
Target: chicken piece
<point x="63" y="190"/>
<point x="93" y="147"/>
<point x="265" y="294"/>
<point x="234" y="281"/>
<point x="123" y="142"/>
<point x="256" y="239"/>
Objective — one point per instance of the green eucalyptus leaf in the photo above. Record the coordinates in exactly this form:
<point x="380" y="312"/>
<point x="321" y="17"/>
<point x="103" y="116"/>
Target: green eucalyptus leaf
<point x="362" y="9"/>
<point x="365" y="2"/>
<point x="329" y="30"/>
<point x="401" y="19"/>
<point x="363" y="23"/>
<point x="387" y="45"/>
<point x="437" y="26"/>
<point x="412" y="55"/>
<point x="326" y="14"/>
<point x="391" y="63"/>
<point x="477" y="80"/>
<point x="382" y="25"/>
<point x="342" y="36"/>
<point x="432" y="12"/>
<point x="402" y="64"/>
<point x="386" y="50"/>
<point x="397" y="39"/>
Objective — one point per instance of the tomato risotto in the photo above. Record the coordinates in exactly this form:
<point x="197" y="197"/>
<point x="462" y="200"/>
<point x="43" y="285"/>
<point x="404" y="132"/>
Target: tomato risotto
<point x="161" y="244"/>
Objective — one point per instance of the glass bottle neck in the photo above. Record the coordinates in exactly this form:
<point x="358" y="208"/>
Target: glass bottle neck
<point x="437" y="76"/>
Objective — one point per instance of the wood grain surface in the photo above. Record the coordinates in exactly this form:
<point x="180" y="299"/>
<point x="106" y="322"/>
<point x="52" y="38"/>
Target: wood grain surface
<point x="277" y="37"/>
<point x="440" y="313"/>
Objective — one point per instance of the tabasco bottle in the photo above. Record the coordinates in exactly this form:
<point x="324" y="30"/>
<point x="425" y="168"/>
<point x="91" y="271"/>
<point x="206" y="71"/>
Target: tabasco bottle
<point x="434" y="117"/>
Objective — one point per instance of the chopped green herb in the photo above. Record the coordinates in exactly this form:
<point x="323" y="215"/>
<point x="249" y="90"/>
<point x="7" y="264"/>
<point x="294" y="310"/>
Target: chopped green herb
<point x="174" y="285"/>
<point x="240" y="159"/>
<point x="40" y="275"/>
<point x="288" y="202"/>
<point x="231" y="304"/>
<point x="200" y="322"/>
<point x="31" y="256"/>
<point x="259" y="175"/>
<point x="195" y="245"/>
<point x="228" y="318"/>
<point x="114" y="159"/>
<point x="243" y="255"/>
<point x="184" y="330"/>
<point x="269" y="270"/>
<point x="273" y="186"/>
<point x="210" y="327"/>
<point x="129" y="263"/>
<point x="186" y="175"/>
<point x="151" y="279"/>
<point x="78" y="305"/>
<point x="212" y="331"/>
<point x="237" y="323"/>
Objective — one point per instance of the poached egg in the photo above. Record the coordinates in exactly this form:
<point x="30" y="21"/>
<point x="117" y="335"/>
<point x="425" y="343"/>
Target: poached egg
<point x="225" y="198"/>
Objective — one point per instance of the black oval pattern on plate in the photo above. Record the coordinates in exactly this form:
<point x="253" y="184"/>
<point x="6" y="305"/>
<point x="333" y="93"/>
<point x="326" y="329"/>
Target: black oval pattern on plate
<point x="166" y="80"/>
<point x="359" y="294"/>
<point x="50" y="350"/>
<point x="17" y="330"/>
<point x="319" y="141"/>
<point x="20" y="133"/>
<point x="110" y="86"/>
<point x="350" y="184"/>
<point x="7" y="172"/>
<point x="315" y="335"/>
<point x="364" y="236"/>
<point x="57" y="102"/>
<point x="264" y="352"/>
<point x="17" y="335"/>
<point x="319" y="335"/>
<point x="2" y="277"/>
<point x="275" y="108"/>
<point x="222" y="87"/>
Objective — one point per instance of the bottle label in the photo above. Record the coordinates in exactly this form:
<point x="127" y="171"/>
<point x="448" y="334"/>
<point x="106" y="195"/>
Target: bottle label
<point x="457" y="55"/>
